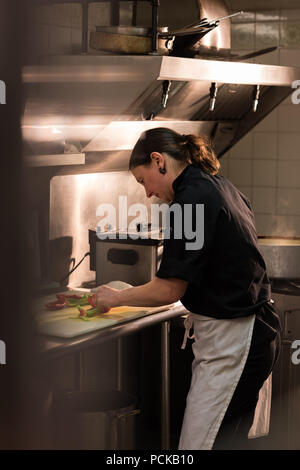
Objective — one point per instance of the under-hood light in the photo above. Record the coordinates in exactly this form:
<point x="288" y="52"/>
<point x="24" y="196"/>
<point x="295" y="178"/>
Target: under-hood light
<point x="213" y="95"/>
<point x="256" y="93"/>
<point x="165" y="96"/>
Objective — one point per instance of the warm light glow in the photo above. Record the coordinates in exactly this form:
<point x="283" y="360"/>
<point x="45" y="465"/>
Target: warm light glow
<point x="80" y="131"/>
<point x="279" y="241"/>
<point x="81" y="73"/>
<point x="54" y="130"/>
<point x="206" y="40"/>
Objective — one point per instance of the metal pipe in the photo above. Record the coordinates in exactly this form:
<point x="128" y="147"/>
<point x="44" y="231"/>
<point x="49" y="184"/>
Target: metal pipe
<point x="155" y="5"/>
<point x="165" y="386"/>
<point x="119" y="364"/>
<point x="114" y="13"/>
<point x="78" y="370"/>
<point x="225" y="17"/>
<point x="85" y="26"/>
<point x="134" y="13"/>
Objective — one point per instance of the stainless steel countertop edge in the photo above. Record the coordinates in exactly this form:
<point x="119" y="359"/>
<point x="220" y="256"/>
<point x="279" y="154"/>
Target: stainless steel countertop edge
<point x="50" y="347"/>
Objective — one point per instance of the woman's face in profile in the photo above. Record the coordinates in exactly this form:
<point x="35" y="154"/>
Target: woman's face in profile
<point x="154" y="182"/>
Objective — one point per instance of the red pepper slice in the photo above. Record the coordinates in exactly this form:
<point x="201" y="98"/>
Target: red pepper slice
<point x="82" y="312"/>
<point x="56" y="305"/>
<point x="91" y="300"/>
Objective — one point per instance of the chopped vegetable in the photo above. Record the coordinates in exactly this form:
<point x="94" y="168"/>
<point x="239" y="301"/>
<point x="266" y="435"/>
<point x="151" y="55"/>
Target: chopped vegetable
<point x="83" y="318"/>
<point x="74" y="301"/>
<point x="56" y="305"/>
<point x="82" y="312"/>
<point x="61" y="298"/>
<point x="65" y="298"/>
<point x="91" y="312"/>
<point x="105" y="309"/>
<point x="91" y="300"/>
<point x="85" y="314"/>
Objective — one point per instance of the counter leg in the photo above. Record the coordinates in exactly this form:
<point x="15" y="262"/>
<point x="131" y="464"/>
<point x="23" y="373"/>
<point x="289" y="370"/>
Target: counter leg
<point x="119" y="364"/>
<point x="165" y="385"/>
<point x="79" y="371"/>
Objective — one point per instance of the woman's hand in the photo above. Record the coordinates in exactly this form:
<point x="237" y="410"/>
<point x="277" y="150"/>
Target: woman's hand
<point x="107" y="297"/>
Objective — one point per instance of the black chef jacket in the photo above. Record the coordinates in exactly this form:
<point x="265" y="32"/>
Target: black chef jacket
<point x="226" y="277"/>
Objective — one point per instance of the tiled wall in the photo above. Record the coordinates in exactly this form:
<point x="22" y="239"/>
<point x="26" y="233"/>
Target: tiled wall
<point x="58" y="27"/>
<point x="265" y="164"/>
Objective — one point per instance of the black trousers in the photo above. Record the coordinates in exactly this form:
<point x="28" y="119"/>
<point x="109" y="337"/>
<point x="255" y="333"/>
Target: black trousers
<point x="239" y="416"/>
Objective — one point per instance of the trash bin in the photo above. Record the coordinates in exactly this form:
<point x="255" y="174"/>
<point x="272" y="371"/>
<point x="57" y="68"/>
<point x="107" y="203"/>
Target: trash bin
<point x="101" y="420"/>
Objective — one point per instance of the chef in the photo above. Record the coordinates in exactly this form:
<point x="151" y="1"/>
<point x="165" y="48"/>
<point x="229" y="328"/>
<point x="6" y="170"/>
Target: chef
<point x="223" y="284"/>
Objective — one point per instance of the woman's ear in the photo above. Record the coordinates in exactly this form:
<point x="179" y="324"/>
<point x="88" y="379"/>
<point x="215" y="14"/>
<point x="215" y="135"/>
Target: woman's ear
<point x="158" y="159"/>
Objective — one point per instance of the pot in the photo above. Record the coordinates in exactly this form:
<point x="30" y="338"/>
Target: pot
<point x="128" y="40"/>
<point x="282" y="256"/>
<point x="183" y="42"/>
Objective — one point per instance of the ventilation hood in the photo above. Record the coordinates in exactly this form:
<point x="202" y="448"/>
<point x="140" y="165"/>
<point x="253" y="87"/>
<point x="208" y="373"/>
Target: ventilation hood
<point x="87" y="98"/>
<point x="95" y="105"/>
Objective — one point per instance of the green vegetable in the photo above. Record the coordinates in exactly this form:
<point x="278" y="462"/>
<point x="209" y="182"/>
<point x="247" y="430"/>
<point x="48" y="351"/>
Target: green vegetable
<point x="85" y="314"/>
<point x="91" y="312"/>
<point x="83" y="318"/>
<point x="82" y="301"/>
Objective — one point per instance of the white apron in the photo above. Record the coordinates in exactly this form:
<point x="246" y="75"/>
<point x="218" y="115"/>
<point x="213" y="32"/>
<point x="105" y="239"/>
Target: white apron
<point x="220" y="350"/>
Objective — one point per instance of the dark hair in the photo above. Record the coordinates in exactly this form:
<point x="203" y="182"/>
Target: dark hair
<point x="183" y="148"/>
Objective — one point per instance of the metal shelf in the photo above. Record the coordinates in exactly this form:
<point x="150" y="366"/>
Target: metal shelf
<point x="55" y="160"/>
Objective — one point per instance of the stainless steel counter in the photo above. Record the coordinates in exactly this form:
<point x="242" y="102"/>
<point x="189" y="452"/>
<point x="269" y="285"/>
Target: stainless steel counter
<point x="51" y="348"/>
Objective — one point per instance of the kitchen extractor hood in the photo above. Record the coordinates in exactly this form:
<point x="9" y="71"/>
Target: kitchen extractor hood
<point x="97" y="104"/>
<point x="87" y="97"/>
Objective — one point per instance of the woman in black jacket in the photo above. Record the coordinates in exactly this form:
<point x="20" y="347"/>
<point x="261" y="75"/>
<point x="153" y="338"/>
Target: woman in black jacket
<point x="221" y="279"/>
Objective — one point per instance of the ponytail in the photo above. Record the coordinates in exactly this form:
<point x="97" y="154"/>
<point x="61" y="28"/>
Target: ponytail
<point x="199" y="151"/>
<point x="184" y="149"/>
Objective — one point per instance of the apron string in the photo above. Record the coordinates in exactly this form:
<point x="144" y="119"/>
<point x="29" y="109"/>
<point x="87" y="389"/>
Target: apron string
<point x="188" y="324"/>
